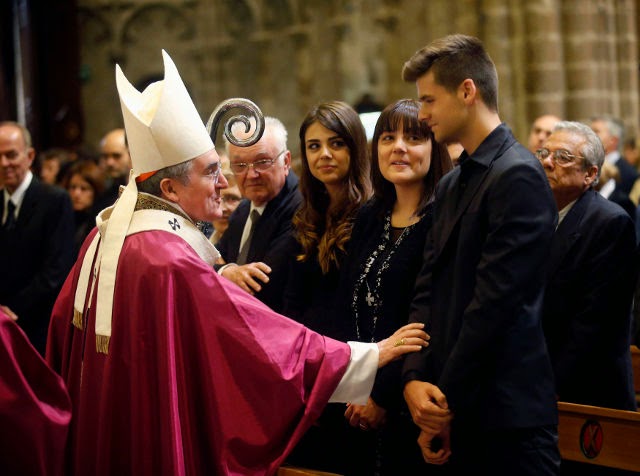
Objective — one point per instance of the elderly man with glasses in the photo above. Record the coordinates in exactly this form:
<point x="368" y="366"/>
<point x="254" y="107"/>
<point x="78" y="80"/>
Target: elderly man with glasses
<point x="258" y="244"/>
<point x="592" y="274"/>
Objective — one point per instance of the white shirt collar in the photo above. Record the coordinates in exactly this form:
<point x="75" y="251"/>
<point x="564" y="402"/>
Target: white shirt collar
<point x="563" y="213"/>
<point x="612" y="157"/>
<point x="607" y="189"/>
<point x="259" y="209"/>
<point x="18" y="195"/>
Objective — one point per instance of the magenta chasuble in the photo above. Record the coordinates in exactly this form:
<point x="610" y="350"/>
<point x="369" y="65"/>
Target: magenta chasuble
<point x="200" y="378"/>
<point x="34" y="408"/>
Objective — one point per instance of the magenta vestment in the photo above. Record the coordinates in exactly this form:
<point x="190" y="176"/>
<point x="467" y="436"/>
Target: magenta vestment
<point x="200" y="377"/>
<point x="35" y="410"/>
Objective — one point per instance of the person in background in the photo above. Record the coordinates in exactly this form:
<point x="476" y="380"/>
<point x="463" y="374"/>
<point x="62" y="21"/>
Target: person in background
<point x="540" y="130"/>
<point x="334" y="183"/>
<point x="381" y="270"/>
<point x="263" y="173"/>
<point x="116" y="163"/>
<point x="53" y="165"/>
<point x="36" y="236"/>
<point x="84" y="181"/>
<point x="611" y="133"/>
<point x="631" y="152"/>
<point x="230" y="197"/>
<point x="483" y="392"/>
<point x="608" y="185"/>
<point x="593" y="269"/>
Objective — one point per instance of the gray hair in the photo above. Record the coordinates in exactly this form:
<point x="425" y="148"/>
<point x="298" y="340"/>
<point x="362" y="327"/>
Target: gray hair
<point x="272" y="126"/>
<point x="592" y="149"/>
<point x="614" y="126"/>
<point x="178" y="172"/>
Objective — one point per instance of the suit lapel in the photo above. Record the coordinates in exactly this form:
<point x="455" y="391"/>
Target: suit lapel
<point x="456" y="202"/>
<point x="568" y="232"/>
<point x="236" y="227"/>
<point x="29" y="204"/>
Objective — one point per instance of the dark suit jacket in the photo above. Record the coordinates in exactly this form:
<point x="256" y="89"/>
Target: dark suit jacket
<point x="622" y="199"/>
<point x="273" y="241"/>
<point x="36" y="257"/>
<point x="628" y="175"/>
<point x="587" y="307"/>
<point x="481" y="287"/>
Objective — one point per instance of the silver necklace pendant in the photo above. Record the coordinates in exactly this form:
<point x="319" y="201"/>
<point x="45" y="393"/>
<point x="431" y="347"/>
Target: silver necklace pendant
<point x="370" y="299"/>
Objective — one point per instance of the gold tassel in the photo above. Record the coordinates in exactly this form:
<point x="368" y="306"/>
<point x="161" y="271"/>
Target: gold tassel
<point x="77" y="319"/>
<point x="102" y="344"/>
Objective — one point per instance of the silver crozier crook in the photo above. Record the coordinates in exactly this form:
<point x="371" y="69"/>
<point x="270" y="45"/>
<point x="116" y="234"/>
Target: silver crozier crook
<point x="245" y="106"/>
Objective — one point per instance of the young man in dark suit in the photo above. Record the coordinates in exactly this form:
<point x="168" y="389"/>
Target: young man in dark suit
<point x="483" y="392"/>
<point x="36" y="237"/>
<point x="592" y="276"/>
<point x="259" y="242"/>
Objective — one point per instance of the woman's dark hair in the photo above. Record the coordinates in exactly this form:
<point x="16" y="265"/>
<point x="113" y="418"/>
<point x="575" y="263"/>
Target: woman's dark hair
<point x="404" y="113"/>
<point x="90" y="172"/>
<point x="320" y="225"/>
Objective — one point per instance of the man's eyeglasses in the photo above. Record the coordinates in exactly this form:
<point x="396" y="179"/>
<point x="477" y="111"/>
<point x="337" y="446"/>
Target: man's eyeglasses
<point x="559" y="157"/>
<point x="240" y="168"/>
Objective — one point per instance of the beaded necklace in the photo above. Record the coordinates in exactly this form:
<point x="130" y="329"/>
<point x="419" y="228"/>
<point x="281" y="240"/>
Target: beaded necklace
<point x="373" y="298"/>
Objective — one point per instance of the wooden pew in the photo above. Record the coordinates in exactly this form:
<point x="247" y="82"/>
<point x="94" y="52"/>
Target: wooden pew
<point x="295" y="471"/>
<point x="599" y="436"/>
<point x="635" y="361"/>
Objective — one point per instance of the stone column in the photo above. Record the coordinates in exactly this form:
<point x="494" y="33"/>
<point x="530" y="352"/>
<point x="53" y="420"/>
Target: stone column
<point x="626" y="20"/>
<point x="544" y="57"/>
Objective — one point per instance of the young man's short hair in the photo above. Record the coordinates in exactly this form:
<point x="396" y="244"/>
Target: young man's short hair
<point x="452" y="59"/>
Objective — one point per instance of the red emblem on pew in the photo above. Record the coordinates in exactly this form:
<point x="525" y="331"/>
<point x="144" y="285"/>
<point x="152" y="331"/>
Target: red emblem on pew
<point x="591" y="438"/>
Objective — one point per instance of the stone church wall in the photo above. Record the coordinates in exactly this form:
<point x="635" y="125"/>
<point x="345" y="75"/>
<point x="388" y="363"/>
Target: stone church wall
<point x="574" y="58"/>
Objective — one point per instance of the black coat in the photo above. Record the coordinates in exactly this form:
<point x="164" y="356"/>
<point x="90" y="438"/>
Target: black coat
<point x="628" y="175"/>
<point x="273" y="242"/>
<point x="587" y="307"/>
<point x="36" y="257"/>
<point x="481" y="288"/>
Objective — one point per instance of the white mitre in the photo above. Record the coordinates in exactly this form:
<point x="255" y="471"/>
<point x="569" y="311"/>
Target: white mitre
<point x="163" y="129"/>
<point x="163" y="126"/>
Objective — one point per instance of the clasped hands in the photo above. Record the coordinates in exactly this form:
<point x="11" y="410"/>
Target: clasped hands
<point x="430" y="411"/>
<point x="409" y="338"/>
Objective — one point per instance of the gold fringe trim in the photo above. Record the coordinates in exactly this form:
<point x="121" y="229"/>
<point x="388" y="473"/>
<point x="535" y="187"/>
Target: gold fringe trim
<point x="102" y="344"/>
<point x="77" y="319"/>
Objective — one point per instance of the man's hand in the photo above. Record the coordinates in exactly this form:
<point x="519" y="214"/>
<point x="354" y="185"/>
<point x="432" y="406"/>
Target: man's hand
<point x="432" y="453"/>
<point x="369" y="416"/>
<point x="409" y="338"/>
<point x="247" y="275"/>
<point x="9" y="312"/>
<point x="428" y="406"/>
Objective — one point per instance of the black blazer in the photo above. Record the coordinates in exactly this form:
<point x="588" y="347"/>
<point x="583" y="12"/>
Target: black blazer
<point x="36" y="257"/>
<point x="481" y="287"/>
<point x="273" y="242"/>
<point x="628" y="175"/>
<point x="587" y="307"/>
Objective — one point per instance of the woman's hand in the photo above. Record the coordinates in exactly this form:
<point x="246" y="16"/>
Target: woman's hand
<point x="368" y="417"/>
<point x="409" y="338"/>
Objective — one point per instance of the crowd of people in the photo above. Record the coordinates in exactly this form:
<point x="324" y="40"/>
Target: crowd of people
<point x="477" y="282"/>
